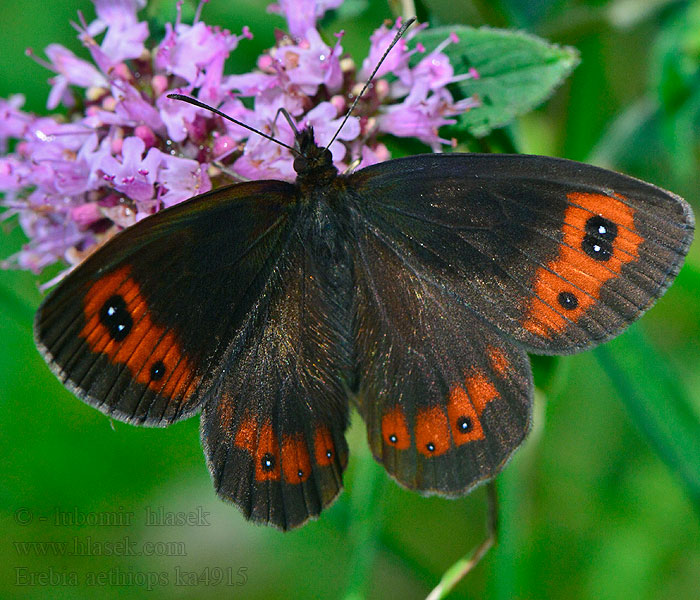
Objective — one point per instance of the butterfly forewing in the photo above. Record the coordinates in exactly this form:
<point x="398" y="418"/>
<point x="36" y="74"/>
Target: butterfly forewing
<point x="137" y="329"/>
<point x="557" y="255"/>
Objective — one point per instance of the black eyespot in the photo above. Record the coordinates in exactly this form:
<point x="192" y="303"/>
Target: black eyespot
<point x="116" y="318"/>
<point x="464" y="425"/>
<point x="300" y="473"/>
<point x="599" y="238"/>
<point x="157" y="370"/>
<point x="597" y="248"/>
<point x="329" y="454"/>
<point x="430" y="446"/>
<point x="393" y="439"/>
<point x="267" y="462"/>
<point x="601" y="228"/>
<point x="568" y="300"/>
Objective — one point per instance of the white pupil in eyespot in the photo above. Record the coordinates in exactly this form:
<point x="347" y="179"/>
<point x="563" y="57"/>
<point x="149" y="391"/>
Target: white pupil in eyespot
<point x="602" y="230"/>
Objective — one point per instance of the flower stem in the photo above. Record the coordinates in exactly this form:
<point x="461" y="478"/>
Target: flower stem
<point x="464" y="565"/>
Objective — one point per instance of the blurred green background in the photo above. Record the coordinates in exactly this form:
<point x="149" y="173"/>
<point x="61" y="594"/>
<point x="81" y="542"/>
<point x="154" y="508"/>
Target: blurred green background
<point x="602" y="501"/>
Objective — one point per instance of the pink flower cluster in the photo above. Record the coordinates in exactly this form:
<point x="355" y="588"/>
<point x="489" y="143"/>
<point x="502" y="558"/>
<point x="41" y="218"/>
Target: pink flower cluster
<point x="126" y="150"/>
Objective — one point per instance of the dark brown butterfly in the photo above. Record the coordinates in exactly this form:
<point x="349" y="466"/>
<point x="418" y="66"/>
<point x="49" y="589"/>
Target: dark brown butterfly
<point x="413" y="288"/>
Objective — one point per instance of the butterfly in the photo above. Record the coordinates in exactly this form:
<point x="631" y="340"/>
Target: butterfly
<point x="412" y="288"/>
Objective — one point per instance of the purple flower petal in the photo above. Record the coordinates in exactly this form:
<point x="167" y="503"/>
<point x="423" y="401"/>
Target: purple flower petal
<point x="13" y="121"/>
<point x="312" y="63"/>
<point x="197" y="54"/>
<point x="251" y="84"/>
<point x="302" y="15"/>
<point x="371" y="156"/>
<point x="133" y="176"/>
<point x="51" y="238"/>
<point x="396" y="61"/>
<point x="420" y="117"/>
<point x="183" y="178"/>
<point x="176" y="114"/>
<point x="76" y="70"/>
<point x="86" y="214"/>
<point x="115" y="12"/>
<point x="134" y="108"/>
<point x="263" y="159"/>
<point x="125" y="34"/>
<point x="14" y="174"/>
<point x="70" y="70"/>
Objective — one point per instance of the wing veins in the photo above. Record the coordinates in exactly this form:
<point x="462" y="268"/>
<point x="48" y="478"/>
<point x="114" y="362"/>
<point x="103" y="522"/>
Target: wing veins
<point x="442" y="224"/>
<point x="506" y="273"/>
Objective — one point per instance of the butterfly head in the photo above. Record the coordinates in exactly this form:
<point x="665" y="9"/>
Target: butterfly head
<point x="311" y="160"/>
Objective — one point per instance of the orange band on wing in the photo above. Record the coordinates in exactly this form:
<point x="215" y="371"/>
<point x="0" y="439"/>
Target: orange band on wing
<point x="481" y="391"/>
<point x="118" y="325"/>
<point x="498" y="360"/>
<point x="324" y="450"/>
<point x="261" y="444"/>
<point x="267" y="455"/>
<point x="464" y="421"/>
<point x="246" y="435"/>
<point x="432" y="432"/>
<point x="395" y="430"/>
<point x="296" y="463"/>
<point x="225" y="410"/>
<point x="569" y="285"/>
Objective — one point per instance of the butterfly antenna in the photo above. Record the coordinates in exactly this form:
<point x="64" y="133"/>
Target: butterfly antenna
<point x="397" y="37"/>
<point x="216" y="111"/>
<point x="285" y="113"/>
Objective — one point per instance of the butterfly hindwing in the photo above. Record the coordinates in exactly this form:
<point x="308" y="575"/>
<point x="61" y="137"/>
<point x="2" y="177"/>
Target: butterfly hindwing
<point x="445" y="398"/>
<point x="273" y="431"/>
<point x="138" y="327"/>
<point x="557" y="255"/>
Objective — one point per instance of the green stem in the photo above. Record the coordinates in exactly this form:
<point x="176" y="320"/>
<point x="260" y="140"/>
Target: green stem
<point x="464" y="565"/>
<point x="365" y="516"/>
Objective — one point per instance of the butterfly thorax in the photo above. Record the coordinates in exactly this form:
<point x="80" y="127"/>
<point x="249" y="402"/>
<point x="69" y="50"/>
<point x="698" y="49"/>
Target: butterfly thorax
<point x="314" y="165"/>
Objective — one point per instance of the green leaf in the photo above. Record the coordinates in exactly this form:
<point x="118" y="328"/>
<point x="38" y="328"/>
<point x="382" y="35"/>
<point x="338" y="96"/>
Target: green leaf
<point x="657" y="402"/>
<point x="517" y="72"/>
